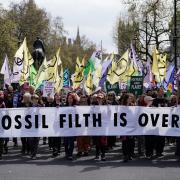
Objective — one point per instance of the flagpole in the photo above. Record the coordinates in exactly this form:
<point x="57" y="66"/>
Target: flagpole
<point x="101" y="49"/>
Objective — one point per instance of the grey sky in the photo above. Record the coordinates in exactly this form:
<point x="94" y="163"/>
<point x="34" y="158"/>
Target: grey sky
<point x="95" y="18"/>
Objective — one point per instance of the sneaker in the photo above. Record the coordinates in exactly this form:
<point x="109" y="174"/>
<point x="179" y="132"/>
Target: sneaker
<point x="96" y="158"/>
<point x="70" y="158"/>
<point x="103" y="159"/>
<point x="33" y="157"/>
<point x="86" y="154"/>
<point x="79" y="154"/>
<point x="125" y="160"/>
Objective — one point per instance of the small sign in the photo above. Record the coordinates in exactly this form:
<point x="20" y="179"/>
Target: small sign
<point x="136" y="85"/>
<point x="114" y="87"/>
<point x="48" y="89"/>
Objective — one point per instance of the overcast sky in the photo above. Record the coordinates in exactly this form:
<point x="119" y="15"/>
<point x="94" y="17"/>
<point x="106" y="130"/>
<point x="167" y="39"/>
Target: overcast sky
<point x="95" y="18"/>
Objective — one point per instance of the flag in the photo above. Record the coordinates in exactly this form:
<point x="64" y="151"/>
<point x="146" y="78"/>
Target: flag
<point x="97" y="75"/>
<point x="147" y="73"/>
<point x="159" y="66"/>
<point x="41" y="75"/>
<point x="27" y="62"/>
<point x="66" y="78"/>
<point x="137" y="62"/>
<point x="6" y="71"/>
<point x="155" y="70"/>
<point x="106" y="64"/>
<point x="78" y="76"/>
<point x="18" y="63"/>
<point x="89" y="83"/>
<point x="58" y="81"/>
<point x="32" y="75"/>
<point x="119" y="69"/>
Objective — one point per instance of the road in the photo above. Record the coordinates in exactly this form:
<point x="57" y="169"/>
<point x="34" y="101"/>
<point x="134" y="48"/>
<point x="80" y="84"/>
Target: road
<point x="14" y="166"/>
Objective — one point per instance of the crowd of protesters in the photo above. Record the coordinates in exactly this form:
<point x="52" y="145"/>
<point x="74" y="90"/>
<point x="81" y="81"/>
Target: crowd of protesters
<point x="149" y="146"/>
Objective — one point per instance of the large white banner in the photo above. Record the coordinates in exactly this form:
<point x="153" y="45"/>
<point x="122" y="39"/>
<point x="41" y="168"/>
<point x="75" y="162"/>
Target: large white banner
<point x="89" y="121"/>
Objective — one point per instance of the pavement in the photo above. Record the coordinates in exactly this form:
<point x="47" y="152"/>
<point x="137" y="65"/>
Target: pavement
<point x="15" y="166"/>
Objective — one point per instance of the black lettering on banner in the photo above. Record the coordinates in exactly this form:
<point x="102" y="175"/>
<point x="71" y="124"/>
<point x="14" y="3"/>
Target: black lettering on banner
<point x="86" y="119"/>
<point x="36" y="121"/>
<point x="29" y="124"/>
<point x="62" y="120"/>
<point x="70" y="120"/>
<point x="154" y="119"/>
<point x="165" y="120"/>
<point x="7" y="119"/>
<point x="17" y="120"/>
<point x="141" y="117"/>
<point x="175" y="119"/>
<point x="115" y="119"/>
<point x="77" y="124"/>
<point x="97" y="120"/>
<point x="44" y="125"/>
<point x="123" y="123"/>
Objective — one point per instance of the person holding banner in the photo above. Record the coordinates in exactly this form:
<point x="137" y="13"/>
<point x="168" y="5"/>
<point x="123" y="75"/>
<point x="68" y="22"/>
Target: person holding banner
<point x="83" y="142"/>
<point x="34" y="141"/>
<point x="69" y="141"/>
<point x="26" y="102"/>
<point x="53" y="141"/>
<point x="128" y="142"/>
<point x="57" y="140"/>
<point x="99" y="141"/>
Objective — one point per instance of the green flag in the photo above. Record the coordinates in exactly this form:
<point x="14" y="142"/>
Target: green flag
<point x="32" y="75"/>
<point x="89" y="66"/>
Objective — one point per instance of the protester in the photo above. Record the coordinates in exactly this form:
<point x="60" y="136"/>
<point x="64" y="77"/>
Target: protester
<point x="83" y="142"/>
<point x="26" y="102"/>
<point x="69" y="141"/>
<point x="127" y="141"/>
<point x="99" y="141"/>
<point x="34" y="141"/>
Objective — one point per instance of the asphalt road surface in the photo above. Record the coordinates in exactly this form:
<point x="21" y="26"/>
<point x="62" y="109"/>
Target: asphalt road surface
<point x="14" y="166"/>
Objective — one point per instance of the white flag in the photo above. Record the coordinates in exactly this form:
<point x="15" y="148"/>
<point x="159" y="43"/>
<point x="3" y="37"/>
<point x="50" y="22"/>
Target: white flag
<point x="18" y="63"/>
<point x="6" y="71"/>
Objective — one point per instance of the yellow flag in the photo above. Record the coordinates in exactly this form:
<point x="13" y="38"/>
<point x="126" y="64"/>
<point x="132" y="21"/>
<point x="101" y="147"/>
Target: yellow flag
<point x="159" y="66"/>
<point x="78" y="76"/>
<point x="155" y="70"/>
<point x="27" y="62"/>
<point x="119" y="69"/>
<point x="42" y="74"/>
<point x="97" y="73"/>
<point x="59" y="81"/>
<point x="89" y="83"/>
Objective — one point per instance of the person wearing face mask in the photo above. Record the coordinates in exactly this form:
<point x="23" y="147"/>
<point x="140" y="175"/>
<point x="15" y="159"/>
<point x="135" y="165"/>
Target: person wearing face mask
<point x="2" y="105"/>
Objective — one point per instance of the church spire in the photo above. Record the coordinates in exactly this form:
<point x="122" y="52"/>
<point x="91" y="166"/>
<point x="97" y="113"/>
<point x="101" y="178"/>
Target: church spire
<point x="78" y="38"/>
